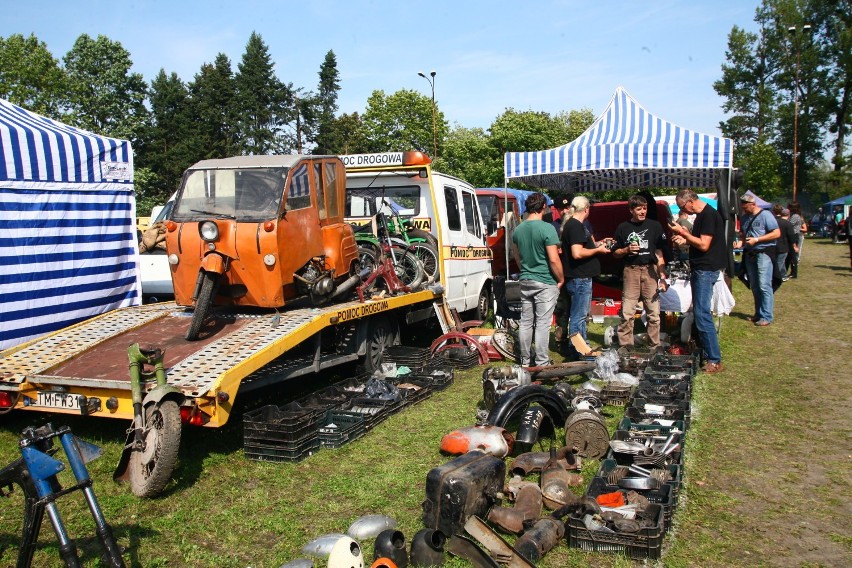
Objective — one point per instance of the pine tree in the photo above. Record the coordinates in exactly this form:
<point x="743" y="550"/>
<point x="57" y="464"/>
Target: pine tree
<point x="213" y="93"/>
<point x="329" y="86"/>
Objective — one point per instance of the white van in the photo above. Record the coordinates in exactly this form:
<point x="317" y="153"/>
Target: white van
<point x="154" y="265"/>
<point x="440" y="204"/>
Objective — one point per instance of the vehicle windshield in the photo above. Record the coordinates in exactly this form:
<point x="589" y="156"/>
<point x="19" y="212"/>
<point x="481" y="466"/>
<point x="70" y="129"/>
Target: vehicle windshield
<point x="367" y="201"/>
<point x="486" y="203"/>
<point x="246" y="195"/>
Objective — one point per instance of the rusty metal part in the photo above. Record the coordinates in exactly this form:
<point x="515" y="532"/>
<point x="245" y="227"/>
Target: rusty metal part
<point x="533" y="462"/>
<point x="616" y="474"/>
<point x="463" y="547"/>
<point x="493" y="440"/>
<point x="587" y="434"/>
<point x="543" y="536"/>
<point x="500" y="550"/>
<point x="504" y="341"/>
<point x="528" y="504"/>
<point x="556" y="484"/>
<point x="545" y="372"/>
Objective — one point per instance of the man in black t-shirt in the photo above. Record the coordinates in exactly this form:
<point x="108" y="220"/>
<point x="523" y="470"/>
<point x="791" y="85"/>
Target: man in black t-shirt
<point x="708" y="255"/>
<point x="640" y="243"/>
<point x="579" y="265"/>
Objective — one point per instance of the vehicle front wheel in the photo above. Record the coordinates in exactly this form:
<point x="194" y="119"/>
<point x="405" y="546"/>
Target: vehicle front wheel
<point x="203" y="305"/>
<point x="151" y="467"/>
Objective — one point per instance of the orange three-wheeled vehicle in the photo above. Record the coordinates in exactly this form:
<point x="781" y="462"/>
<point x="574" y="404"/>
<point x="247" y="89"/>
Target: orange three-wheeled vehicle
<point x="260" y="231"/>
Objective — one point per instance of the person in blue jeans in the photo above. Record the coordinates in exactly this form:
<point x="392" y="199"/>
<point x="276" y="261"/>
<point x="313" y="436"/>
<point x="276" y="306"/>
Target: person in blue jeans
<point x="759" y="233"/>
<point x="707" y="257"/>
<point x="536" y="252"/>
<point x="579" y="264"/>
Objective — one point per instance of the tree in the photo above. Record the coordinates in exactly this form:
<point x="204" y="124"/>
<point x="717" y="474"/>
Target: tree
<point x="264" y="104"/>
<point x="345" y="135"/>
<point x="329" y="86"/>
<point x="760" y="164"/>
<point x="104" y="96"/>
<point x="30" y="76"/>
<point x="402" y="121"/>
<point x="168" y="145"/>
<point x="575" y="122"/>
<point x="467" y="153"/>
<point x="214" y="116"/>
<point x="526" y="131"/>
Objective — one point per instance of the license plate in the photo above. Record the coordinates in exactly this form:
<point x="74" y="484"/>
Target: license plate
<point x="63" y="400"/>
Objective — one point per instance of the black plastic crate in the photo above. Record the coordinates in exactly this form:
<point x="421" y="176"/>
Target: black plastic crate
<point x="375" y="410"/>
<point x="628" y="425"/>
<point x="416" y="389"/>
<point x="662" y="496"/>
<point x="663" y="393"/>
<point x="637" y="436"/>
<point x="271" y="424"/>
<point x="281" y="453"/>
<point x="441" y="377"/>
<point x="656" y="377"/>
<point x="412" y="357"/>
<point x="340" y="427"/>
<point x="638" y="410"/>
<point x="675" y="474"/>
<point x="457" y="358"/>
<point x="666" y="362"/>
<point x="646" y="543"/>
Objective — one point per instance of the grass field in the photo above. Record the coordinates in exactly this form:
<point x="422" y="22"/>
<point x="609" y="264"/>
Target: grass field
<point x="767" y="464"/>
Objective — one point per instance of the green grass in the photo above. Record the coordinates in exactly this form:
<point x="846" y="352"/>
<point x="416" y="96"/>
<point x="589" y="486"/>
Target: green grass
<point x="766" y="463"/>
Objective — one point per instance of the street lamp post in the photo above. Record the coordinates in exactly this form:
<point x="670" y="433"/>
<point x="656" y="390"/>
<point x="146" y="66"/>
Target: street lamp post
<point x="796" y="41"/>
<point x="434" y="119"/>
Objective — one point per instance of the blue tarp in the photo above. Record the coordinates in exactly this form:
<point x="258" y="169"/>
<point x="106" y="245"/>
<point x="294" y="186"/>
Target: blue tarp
<point x="68" y="247"/>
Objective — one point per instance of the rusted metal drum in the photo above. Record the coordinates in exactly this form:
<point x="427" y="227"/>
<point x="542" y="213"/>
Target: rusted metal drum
<point x="586" y="432"/>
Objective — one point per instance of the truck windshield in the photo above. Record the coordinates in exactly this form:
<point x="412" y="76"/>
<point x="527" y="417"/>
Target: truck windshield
<point x="246" y="195"/>
<point x="367" y="201"/>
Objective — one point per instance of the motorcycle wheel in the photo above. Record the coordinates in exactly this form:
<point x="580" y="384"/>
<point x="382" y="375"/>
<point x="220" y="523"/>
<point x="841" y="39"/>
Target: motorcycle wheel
<point x="203" y="304"/>
<point x="408" y="267"/>
<point x="428" y="255"/>
<point x="151" y="467"/>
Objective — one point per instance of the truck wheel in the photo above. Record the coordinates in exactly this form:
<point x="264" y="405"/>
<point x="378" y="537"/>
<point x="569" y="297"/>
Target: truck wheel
<point x="382" y="333"/>
<point x="152" y="466"/>
<point x="203" y="304"/>
<point x="483" y="304"/>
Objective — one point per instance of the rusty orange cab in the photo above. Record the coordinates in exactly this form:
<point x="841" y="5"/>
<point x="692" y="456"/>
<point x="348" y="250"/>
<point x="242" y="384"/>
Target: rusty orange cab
<point x="260" y="231"/>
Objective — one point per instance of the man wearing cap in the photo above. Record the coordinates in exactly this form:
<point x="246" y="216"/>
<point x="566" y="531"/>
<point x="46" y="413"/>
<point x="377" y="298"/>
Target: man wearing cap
<point x="536" y="252"/>
<point x="759" y="231"/>
<point x="707" y="257"/>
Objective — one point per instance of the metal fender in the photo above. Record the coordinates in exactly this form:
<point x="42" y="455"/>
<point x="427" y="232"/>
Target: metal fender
<point x="390" y="545"/>
<point x="519" y="398"/>
<point x="427" y="548"/>
<point x="213" y="263"/>
<point x="163" y="392"/>
<point x="463" y="341"/>
<point x="493" y="440"/>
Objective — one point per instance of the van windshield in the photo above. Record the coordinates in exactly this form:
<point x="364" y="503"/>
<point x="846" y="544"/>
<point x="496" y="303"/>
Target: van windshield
<point x="246" y="195"/>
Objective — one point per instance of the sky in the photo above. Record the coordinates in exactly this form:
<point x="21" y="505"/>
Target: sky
<point x="552" y="55"/>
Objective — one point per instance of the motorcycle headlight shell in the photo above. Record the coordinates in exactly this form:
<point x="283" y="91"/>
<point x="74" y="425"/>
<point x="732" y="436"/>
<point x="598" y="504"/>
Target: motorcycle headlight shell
<point x="209" y="231"/>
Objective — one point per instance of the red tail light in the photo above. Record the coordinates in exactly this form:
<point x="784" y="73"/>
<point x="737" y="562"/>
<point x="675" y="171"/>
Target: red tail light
<point x="6" y="400"/>
<point x="192" y="416"/>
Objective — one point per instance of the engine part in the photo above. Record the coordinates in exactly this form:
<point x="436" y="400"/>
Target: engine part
<point x="505" y="342"/>
<point x="369" y="526"/>
<point x="528" y="503"/>
<point x="587" y="402"/>
<point x="494" y="440"/>
<point x="556" y="484"/>
<point x="516" y="400"/>
<point x="561" y="370"/>
<point x="500" y="550"/>
<point x="463" y="547"/>
<point x="638" y="483"/>
<point x="616" y="474"/>
<point x="587" y="434"/>
<point x="390" y="543"/>
<point x="538" y="541"/>
<point x="322" y="545"/>
<point x="427" y="548"/>
<point x="496" y="381"/>
<point x="532" y="462"/>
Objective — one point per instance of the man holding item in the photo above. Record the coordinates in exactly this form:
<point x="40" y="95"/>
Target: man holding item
<point x="640" y="243"/>
<point x="536" y="252"/>
<point x="707" y="257"/>
<point x="579" y="264"/>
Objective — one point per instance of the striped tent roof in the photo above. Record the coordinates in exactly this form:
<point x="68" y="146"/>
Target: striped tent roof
<point x="68" y="246"/>
<point x="625" y="147"/>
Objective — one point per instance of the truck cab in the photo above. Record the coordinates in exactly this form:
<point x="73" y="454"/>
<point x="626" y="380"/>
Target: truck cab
<point x="443" y="206"/>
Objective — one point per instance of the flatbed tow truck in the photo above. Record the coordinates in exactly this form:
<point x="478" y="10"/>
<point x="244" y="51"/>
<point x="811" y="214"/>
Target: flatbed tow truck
<point x="82" y="369"/>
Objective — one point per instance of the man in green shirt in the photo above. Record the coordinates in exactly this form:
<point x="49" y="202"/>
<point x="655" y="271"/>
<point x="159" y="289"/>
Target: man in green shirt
<point x="536" y="250"/>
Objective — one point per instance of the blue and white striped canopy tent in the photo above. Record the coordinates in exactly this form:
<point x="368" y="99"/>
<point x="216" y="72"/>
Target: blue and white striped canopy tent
<point x="68" y="247"/>
<point x="625" y="147"/>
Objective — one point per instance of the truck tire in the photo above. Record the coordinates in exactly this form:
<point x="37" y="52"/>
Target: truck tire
<point x="203" y="304"/>
<point x="484" y="302"/>
<point x="382" y="332"/>
<point x="151" y="468"/>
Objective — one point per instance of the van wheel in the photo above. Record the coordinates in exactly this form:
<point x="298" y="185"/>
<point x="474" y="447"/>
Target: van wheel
<point x="382" y="332"/>
<point x="483" y="304"/>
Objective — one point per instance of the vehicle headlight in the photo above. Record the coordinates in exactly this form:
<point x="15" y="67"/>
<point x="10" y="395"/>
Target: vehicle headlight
<point x="209" y="231"/>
